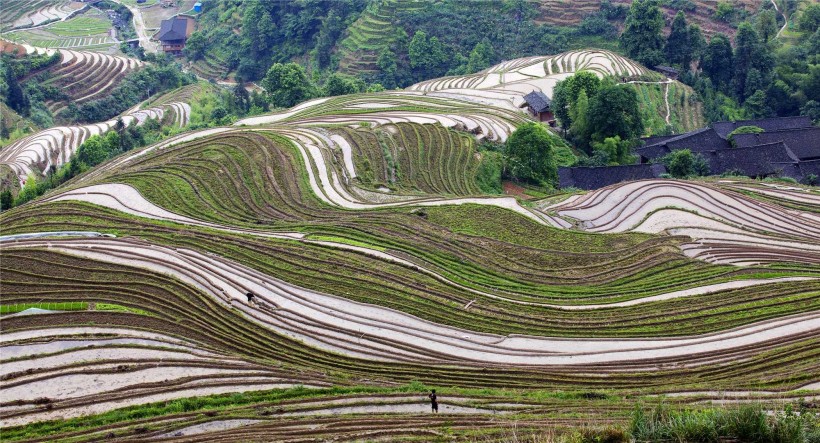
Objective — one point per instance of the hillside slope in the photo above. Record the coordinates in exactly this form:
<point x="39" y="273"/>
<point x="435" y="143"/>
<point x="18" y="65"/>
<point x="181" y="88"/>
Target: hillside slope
<point x="313" y="273"/>
<point x="702" y="12"/>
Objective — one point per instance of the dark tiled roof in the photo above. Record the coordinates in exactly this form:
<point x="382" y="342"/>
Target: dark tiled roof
<point x="767" y="124"/>
<point x="810" y="167"/>
<point x="599" y="177"/>
<point x="655" y="139"/>
<point x="754" y="161"/>
<point x="666" y="69"/>
<point x="805" y="143"/>
<point x="701" y="140"/>
<point x="652" y="152"/>
<point x="538" y="101"/>
<point x="173" y="29"/>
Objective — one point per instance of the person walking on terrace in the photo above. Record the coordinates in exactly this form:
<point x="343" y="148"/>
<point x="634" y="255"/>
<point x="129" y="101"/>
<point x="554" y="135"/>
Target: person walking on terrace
<point x="433" y="400"/>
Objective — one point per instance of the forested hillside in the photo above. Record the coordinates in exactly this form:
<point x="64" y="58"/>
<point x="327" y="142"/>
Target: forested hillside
<point x="377" y="38"/>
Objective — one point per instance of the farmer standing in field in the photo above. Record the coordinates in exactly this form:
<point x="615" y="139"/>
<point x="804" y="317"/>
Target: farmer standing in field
<point x="433" y="401"/>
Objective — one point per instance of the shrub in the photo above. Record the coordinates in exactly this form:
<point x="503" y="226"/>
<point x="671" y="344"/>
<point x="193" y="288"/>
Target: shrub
<point x="748" y="423"/>
<point x="530" y="154"/>
<point x="743" y="130"/>
<point x="488" y="174"/>
<point x="683" y="163"/>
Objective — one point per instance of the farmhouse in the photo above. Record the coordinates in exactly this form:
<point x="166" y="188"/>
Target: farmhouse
<point x="672" y="73"/>
<point x="767" y="124"/>
<point x="782" y="149"/>
<point x="174" y="32"/>
<point x="539" y="106"/>
<point x="788" y="147"/>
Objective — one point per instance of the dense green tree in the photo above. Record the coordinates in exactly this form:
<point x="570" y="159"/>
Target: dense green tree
<point x="4" y="129"/>
<point x="580" y="130"/>
<point x="642" y="38"/>
<point x="697" y="43"/>
<point x="717" y="62"/>
<point x="6" y="200"/>
<point x="481" y="57"/>
<point x="240" y="99"/>
<point x="332" y="27"/>
<point x="756" y="105"/>
<point x="427" y="55"/>
<point x="811" y="110"/>
<point x="750" y="54"/>
<point x="678" y="49"/>
<point x="781" y="99"/>
<point x="766" y="25"/>
<point x="810" y="84"/>
<point x="754" y="82"/>
<point x="810" y="18"/>
<point x="614" y="111"/>
<point x="388" y="65"/>
<point x="529" y="154"/>
<point x="554" y="42"/>
<point x="287" y="85"/>
<point x="488" y="173"/>
<point x="566" y="92"/>
<point x="682" y="164"/>
<point x="340" y="84"/>
<point x="15" y="97"/>
<point x="97" y="149"/>
<point x="617" y="150"/>
<point x="196" y="46"/>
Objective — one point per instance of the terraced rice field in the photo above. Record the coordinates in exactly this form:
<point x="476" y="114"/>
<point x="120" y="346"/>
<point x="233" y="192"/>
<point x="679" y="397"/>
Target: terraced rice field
<point x="379" y="271"/>
<point x="369" y="34"/>
<point x="569" y="13"/>
<point x="51" y="148"/>
<point x="509" y="81"/>
<point x="29" y="13"/>
<point x="85" y="76"/>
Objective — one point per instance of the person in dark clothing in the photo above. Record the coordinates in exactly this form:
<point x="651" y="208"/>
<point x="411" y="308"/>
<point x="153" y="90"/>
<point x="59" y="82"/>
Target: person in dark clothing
<point x="433" y="401"/>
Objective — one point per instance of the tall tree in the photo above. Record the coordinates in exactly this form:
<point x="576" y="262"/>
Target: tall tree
<point x="16" y="98"/>
<point x="767" y="25"/>
<point x="678" y="49"/>
<point x="287" y="85"/>
<point x="529" y="152"/>
<point x="566" y="92"/>
<point x="614" y="110"/>
<point x="749" y="54"/>
<point x="810" y="18"/>
<point x="480" y="57"/>
<point x="697" y="43"/>
<point x="717" y="62"/>
<point x="642" y="38"/>
<point x="580" y="129"/>
<point x="427" y="55"/>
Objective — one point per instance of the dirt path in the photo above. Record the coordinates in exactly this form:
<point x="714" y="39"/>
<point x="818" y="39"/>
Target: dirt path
<point x="783" y="14"/>
<point x="666" y="84"/>
<point x="140" y="28"/>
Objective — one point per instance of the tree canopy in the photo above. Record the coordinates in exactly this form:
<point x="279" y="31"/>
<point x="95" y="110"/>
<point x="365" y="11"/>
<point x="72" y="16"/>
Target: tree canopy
<point x="287" y="85"/>
<point x="683" y="163"/>
<point x="566" y="92"/>
<point x="530" y="156"/>
<point x="642" y="38"/>
<point x="614" y="111"/>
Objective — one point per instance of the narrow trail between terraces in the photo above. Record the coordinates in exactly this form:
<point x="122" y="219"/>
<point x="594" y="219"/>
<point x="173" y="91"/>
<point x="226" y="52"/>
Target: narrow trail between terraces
<point x="665" y="84"/>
